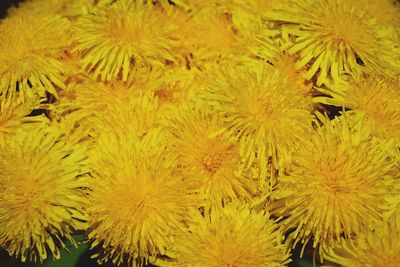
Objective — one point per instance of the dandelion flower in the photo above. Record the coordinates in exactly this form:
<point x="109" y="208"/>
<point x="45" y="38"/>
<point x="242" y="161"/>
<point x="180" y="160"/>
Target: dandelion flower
<point x="332" y="37"/>
<point x="208" y="159"/>
<point x="374" y="248"/>
<point x="337" y="185"/>
<point x="137" y="116"/>
<point x="373" y="96"/>
<point x="137" y="200"/>
<point x="14" y="111"/>
<point x="126" y="35"/>
<point x="40" y="193"/>
<point x="30" y="50"/>
<point x="234" y="235"/>
<point x="267" y="116"/>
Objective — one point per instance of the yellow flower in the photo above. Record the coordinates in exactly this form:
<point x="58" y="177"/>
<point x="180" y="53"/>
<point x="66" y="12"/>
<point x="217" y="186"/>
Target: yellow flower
<point x="333" y="37"/>
<point x="14" y="111"/>
<point x="234" y="235"/>
<point x="98" y="105"/>
<point x="137" y="200"/>
<point x="372" y="248"/>
<point x="210" y="161"/>
<point x="266" y="114"/>
<point x="137" y="117"/>
<point x="124" y="36"/>
<point x="337" y="186"/>
<point x="373" y="96"/>
<point x="30" y="49"/>
<point x="40" y="193"/>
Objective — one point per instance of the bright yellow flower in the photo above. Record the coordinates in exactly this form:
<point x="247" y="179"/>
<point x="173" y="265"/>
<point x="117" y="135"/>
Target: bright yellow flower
<point x="379" y="247"/>
<point x="374" y="96"/>
<point x="210" y="161"/>
<point x="137" y="117"/>
<point x="126" y="35"/>
<point x="234" y="235"/>
<point x="14" y="111"/>
<point x="333" y="37"/>
<point x="30" y="48"/>
<point x="137" y="200"/>
<point x="337" y="186"/>
<point x="261" y="110"/>
<point x="40" y="193"/>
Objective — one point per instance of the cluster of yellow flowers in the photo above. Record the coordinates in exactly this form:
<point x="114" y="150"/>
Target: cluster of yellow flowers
<point x="198" y="133"/>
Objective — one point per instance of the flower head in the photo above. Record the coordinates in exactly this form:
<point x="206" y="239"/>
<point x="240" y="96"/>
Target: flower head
<point x="338" y="184"/>
<point x="373" y="96"/>
<point x="234" y="235"/>
<point x="332" y="37"/>
<point x="14" y="111"/>
<point x="31" y="47"/>
<point x="379" y="247"/>
<point x="41" y="202"/>
<point x="126" y="35"/>
<point x="137" y="200"/>
<point x="208" y="159"/>
<point x="267" y="115"/>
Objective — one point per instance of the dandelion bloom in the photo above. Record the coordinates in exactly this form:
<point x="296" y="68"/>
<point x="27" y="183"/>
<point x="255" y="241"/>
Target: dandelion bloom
<point x="379" y="247"/>
<point x="337" y="186"/>
<point x="234" y="235"/>
<point x="31" y="47"/>
<point x="373" y="96"/>
<point x="41" y="201"/>
<point x="333" y="37"/>
<point x="137" y="200"/>
<point x="14" y="111"/>
<point x="208" y="159"/>
<point x="116" y="39"/>
<point x="261" y="111"/>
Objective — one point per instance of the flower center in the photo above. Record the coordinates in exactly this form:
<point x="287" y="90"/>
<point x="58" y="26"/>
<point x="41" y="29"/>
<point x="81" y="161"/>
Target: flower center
<point x="212" y="162"/>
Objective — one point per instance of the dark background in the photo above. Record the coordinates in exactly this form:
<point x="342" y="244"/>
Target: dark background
<point x="4" y="4"/>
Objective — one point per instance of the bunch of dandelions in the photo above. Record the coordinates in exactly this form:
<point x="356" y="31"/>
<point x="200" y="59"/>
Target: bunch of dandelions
<point x="201" y="133"/>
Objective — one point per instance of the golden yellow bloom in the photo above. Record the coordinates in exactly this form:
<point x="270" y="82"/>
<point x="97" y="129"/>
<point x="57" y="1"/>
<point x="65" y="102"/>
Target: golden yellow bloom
<point x="98" y="105"/>
<point x="14" y="111"/>
<point x="137" y="117"/>
<point x="234" y="235"/>
<point x="126" y="35"/>
<point x="137" y="200"/>
<point x="379" y="247"/>
<point x="30" y="48"/>
<point x="338" y="184"/>
<point x="333" y="37"/>
<point x="40" y="193"/>
<point x="207" y="159"/>
<point x="373" y="96"/>
<point x="267" y="115"/>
